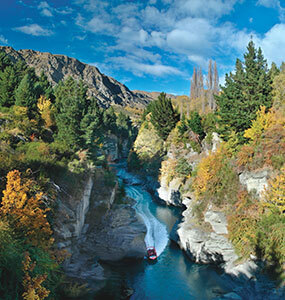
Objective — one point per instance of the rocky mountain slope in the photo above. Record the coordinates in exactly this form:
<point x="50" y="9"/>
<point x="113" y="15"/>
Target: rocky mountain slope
<point x="106" y="89"/>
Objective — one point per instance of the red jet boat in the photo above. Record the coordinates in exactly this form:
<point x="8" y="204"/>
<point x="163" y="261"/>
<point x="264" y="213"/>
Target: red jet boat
<point x="151" y="253"/>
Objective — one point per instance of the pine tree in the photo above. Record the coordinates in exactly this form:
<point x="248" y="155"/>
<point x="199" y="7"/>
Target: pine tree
<point x="25" y="93"/>
<point x="163" y="116"/>
<point x="43" y="87"/>
<point x="72" y="105"/>
<point x="8" y="82"/>
<point x="244" y="92"/>
<point x="274" y="71"/>
<point x="5" y="61"/>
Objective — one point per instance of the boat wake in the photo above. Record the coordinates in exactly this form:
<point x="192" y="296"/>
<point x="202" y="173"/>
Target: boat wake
<point x="156" y="232"/>
<point x="156" y="235"/>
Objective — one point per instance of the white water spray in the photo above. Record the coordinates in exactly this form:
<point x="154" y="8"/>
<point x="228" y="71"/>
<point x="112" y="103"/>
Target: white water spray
<point x="156" y="235"/>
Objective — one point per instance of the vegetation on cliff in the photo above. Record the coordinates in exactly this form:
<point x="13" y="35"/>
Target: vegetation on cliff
<point x="49" y="137"/>
<point x="250" y="119"/>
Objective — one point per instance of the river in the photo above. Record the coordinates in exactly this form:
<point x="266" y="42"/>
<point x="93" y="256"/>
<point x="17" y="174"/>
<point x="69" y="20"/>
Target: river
<point x="173" y="276"/>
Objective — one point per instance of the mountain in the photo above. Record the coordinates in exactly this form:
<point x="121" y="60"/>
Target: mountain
<point x="106" y="89"/>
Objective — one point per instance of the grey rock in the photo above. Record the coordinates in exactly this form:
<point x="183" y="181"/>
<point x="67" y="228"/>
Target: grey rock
<point x="217" y="220"/>
<point x="120" y="235"/>
<point x="106" y="89"/>
<point x="170" y="192"/>
<point x="255" y="181"/>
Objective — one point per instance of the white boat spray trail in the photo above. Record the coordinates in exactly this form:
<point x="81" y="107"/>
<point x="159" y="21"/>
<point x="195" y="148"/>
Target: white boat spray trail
<point x="156" y="231"/>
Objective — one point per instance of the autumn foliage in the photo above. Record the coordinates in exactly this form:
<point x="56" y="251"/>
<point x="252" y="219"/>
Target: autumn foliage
<point x="25" y="210"/>
<point x="33" y="289"/>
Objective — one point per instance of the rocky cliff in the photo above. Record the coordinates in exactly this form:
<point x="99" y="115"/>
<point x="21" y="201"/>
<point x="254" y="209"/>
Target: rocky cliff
<point x="91" y="227"/>
<point x="106" y="89"/>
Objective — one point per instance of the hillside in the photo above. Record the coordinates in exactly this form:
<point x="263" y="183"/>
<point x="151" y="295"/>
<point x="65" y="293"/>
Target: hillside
<point x="106" y="89"/>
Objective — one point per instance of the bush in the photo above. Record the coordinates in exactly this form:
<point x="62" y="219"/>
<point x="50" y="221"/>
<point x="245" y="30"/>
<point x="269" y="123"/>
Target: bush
<point x="183" y="168"/>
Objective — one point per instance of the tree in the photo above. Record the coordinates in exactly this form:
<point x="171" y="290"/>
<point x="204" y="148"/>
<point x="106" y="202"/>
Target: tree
<point x="46" y="111"/>
<point x="5" y="61"/>
<point x="243" y="94"/>
<point x="25" y="93"/>
<point x="43" y="87"/>
<point x="275" y="193"/>
<point x="195" y="124"/>
<point x="279" y="91"/>
<point x="72" y="105"/>
<point x="26" y="211"/>
<point x="8" y="83"/>
<point x="163" y="116"/>
<point x="210" y="85"/>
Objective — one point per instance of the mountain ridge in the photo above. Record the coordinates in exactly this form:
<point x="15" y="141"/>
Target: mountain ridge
<point x="107" y="90"/>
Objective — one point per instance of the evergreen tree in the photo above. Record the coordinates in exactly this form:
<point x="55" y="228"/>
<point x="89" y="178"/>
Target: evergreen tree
<point x="274" y="71"/>
<point x="195" y="124"/>
<point x="25" y="94"/>
<point x="8" y="82"/>
<point x="91" y="126"/>
<point x="5" y="61"/>
<point x="43" y="87"/>
<point x="71" y="103"/>
<point x="244" y="92"/>
<point x="163" y="116"/>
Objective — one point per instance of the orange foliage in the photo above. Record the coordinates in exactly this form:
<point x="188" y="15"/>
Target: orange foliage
<point x="26" y="212"/>
<point x="33" y="290"/>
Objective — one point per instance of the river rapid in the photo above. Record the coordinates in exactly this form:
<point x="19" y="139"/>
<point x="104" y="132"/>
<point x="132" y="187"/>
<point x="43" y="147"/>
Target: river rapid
<point x="173" y="276"/>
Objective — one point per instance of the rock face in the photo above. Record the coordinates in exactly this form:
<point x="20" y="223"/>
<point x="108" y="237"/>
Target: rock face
<point x="205" y="246"/>
<point x="255" y="181"/>
<point x="91" y="228"/>
<point x="120" y="235"/>
<point x="106" y="89"/>
<point x="170" y="192"/>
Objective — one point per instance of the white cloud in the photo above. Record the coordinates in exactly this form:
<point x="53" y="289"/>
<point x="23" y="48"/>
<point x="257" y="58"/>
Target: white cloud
<point x="97" y="25"/>
<point x="3" y="40"/>
<point x="204" y="8"/>
<point x="35" y="30"/>
<point x="273" y="4"/>
<point x="141" y="69"/>
<point x="268" y="3"/>
<point x="45" y="9"/>
<point x="272" y="43"/>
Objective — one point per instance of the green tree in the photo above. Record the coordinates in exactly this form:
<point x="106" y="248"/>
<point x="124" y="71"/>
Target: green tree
<point x="8" y="82"/>
<point x="243" y="94"/>
<point x="195" y="124"/>
<point x="72" y="105"/>
<point x="43" y="87"/>
<point x="163" y="116"/>
<point x="5" y="61"/>
<point x="25" y="93"/>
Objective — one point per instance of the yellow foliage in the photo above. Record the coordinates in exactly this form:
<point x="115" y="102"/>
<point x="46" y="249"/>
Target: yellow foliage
<point x="263" y="122"/>
<point x="32" y="286"/>
<point x="274" y="195"/>
<point x="46" y="110"/>
<point x="25" y="211"/>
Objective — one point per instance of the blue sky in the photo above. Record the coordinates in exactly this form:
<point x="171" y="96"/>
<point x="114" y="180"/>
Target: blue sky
<point x="149" y="45"/>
